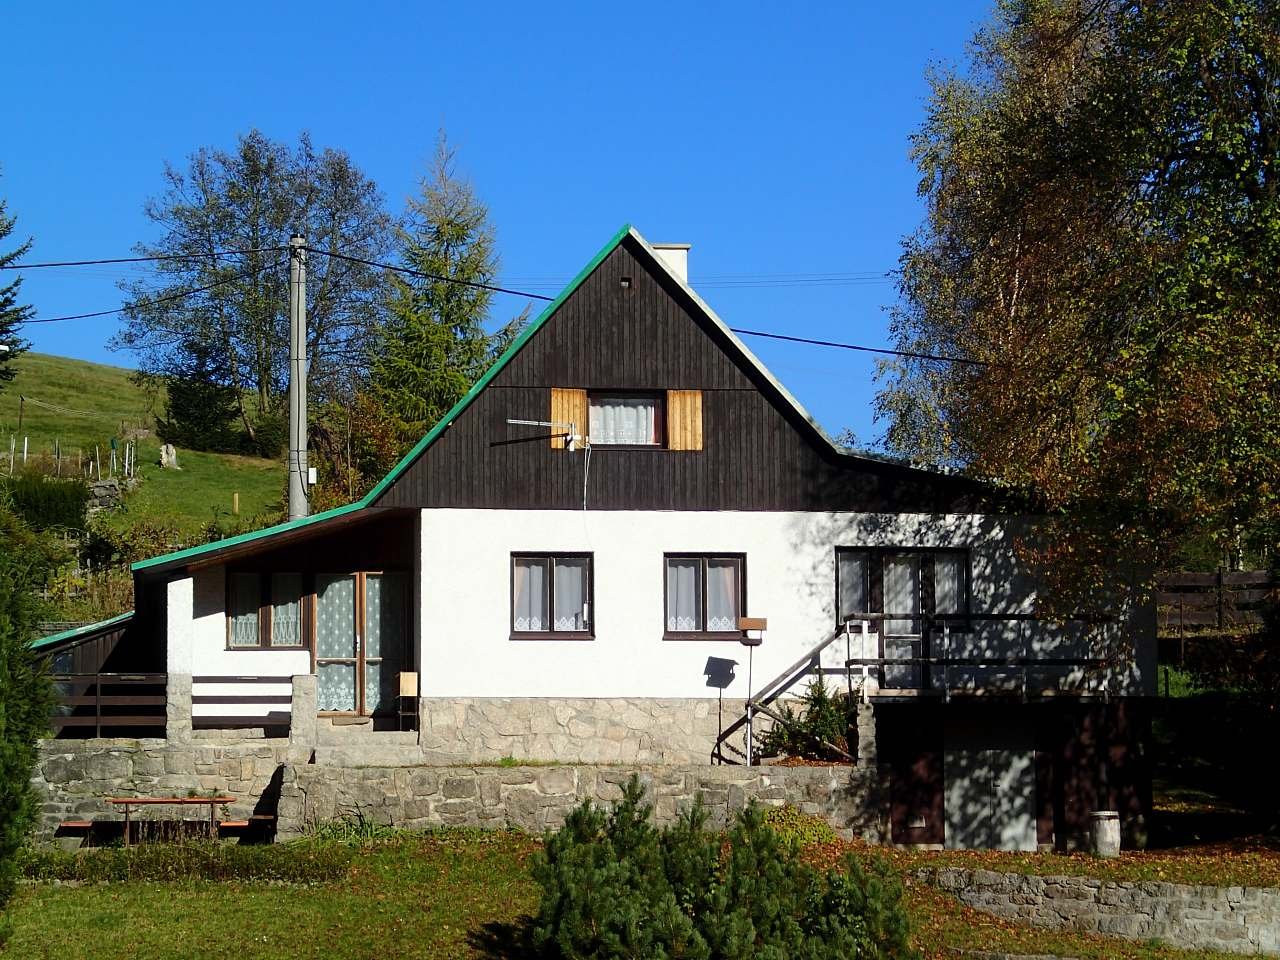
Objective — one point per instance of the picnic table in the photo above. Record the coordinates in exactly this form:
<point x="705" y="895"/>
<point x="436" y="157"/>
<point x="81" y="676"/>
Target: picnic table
<point x="212" y="802"/>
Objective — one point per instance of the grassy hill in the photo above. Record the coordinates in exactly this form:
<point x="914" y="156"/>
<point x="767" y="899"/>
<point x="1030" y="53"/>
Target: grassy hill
<point x="82" y="404"/>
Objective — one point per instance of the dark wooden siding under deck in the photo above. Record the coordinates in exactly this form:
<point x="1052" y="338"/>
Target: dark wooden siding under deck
<point x="758" y="454"/>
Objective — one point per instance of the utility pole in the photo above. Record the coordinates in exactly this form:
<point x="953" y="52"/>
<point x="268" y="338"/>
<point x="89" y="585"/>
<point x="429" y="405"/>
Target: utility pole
<point x="298" y="506"/>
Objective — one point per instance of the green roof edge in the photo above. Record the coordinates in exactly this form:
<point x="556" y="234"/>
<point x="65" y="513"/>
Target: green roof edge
<point x="432" y="435"/>
<point x="77" y="631"/>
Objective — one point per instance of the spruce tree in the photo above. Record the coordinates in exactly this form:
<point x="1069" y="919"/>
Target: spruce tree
<point x="200" y="406"/>
<point x="433" y="345"/>
<point x="12" y="314"/>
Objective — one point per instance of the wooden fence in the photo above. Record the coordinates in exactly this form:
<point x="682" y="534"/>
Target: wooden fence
<point x="1198" y="603"/>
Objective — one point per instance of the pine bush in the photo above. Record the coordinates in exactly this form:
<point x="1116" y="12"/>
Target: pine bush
<point x="26" y="695"/>
<point x="614" y="886"/>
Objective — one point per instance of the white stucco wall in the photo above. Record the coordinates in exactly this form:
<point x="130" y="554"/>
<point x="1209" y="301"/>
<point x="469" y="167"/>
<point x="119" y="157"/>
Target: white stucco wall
<point x="197" y="646"/>
<point x="466" y="649"/>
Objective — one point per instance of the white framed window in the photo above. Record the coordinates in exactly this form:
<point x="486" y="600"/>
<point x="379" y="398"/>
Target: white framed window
<point x="626" y="419"/>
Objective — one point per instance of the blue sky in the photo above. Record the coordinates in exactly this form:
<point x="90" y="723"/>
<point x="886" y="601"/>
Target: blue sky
<point x="772" y="139"/>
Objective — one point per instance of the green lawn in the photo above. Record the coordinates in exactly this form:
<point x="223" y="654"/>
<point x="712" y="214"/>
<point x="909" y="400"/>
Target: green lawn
<point x="442" y="896"/>
<point x="94" y="400"/>
<point x="202" y="490"/>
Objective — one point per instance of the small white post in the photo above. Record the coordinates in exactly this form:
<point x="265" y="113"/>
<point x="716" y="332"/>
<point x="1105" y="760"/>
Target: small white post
<point x="24" y="451"/>
<point x="750" y="709"/>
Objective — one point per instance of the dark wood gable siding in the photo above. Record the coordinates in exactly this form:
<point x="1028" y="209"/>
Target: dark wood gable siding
<point x="758" y="455"/>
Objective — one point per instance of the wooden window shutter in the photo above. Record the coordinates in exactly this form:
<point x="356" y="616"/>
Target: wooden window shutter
<point x="684" y="419"/>
<point x="567" y="406"/>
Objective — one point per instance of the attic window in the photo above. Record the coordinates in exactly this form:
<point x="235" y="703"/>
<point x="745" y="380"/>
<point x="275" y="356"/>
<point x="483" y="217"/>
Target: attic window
<point x="627" y="419"/>
<point x="626" y="283"/>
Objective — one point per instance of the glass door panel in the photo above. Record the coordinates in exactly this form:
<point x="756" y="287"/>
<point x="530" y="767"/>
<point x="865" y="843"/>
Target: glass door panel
<point x="902" y="619"/>
<point x="385" y="635"/>
<point x="337" y="643"/>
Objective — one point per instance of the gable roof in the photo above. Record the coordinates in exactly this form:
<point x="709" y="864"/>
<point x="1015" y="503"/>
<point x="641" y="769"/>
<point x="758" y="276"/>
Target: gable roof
<point x="370" y="499"/>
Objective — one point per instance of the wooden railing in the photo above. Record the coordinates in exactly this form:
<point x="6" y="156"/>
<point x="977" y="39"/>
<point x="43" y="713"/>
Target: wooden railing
<point x="272" y="718"/>
<point x="1212" y="602"/>
<point x="89" y="702"/>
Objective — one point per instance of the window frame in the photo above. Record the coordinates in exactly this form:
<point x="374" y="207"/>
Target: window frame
<point x="929" y="617"/>
<point x="740" y="559"/>
<point x="306" y="597"/>
<point x="589" y="633"/>
<point x="659" y="398"/>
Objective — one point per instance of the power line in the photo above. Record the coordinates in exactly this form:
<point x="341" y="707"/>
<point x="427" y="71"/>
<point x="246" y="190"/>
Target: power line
<point x="67" y="410"/>
<point x="169" y="256"/>
<point x="165" y="299"/>
<point x="428" y="276"/>
<point x="909" y="354"/>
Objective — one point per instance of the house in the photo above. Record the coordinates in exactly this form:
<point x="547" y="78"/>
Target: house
<point x="563" y="561"/>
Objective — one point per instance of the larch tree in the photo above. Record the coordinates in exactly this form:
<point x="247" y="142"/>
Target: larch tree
<point x="252" y="199"/>
<point x="1102" y="236"/>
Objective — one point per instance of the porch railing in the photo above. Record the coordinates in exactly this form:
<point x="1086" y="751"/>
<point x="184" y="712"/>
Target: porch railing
<point x="89" y="702"/>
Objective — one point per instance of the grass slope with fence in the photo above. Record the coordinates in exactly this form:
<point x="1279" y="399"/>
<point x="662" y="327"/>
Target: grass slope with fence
<point x="76" y="407"/>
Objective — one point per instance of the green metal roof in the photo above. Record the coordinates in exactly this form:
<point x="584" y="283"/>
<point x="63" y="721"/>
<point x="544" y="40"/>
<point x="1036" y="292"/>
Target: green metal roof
<point x="80" y="631"/>
<point x="369" y="498"/>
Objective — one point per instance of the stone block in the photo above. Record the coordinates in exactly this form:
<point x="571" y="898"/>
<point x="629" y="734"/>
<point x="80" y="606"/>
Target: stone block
<point x="459" y="788"/>
<point x="558" y="781"/>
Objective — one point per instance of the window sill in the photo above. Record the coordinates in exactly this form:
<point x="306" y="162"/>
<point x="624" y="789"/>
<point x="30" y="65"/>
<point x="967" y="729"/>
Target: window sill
<point x="552" y="635"/>
<point x="734" y="635"/>
<point x="630" y="447"/>
<point x="247" y="649"/>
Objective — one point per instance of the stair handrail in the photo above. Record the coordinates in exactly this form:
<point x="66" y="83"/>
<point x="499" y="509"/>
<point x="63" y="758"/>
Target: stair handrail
<point x="774" y="689"/>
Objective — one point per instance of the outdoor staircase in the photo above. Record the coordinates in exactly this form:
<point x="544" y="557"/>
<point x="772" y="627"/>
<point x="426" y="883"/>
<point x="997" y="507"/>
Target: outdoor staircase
<point x="811" y="664"/>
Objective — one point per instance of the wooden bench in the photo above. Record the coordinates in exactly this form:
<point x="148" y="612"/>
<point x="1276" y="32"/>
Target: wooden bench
<point x="76" y="825"/>
<point x="257" y="820"/>
<point x="211" y="802"/>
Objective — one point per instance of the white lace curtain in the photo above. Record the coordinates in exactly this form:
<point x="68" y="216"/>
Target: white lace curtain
<point x="902" y="595"/>
<point x="722" y="595"/>
<point x="685" y="603"/>
<point x="853" y="584"/>
<point x="948" y="583"/>
<point x="684" y="595"/>
<point x="626" y="420"/>
<point x="566" y="593"/>
<point x="246" y="594"/>
<point x="530" y="594"/>
<point x="286" y="609"/>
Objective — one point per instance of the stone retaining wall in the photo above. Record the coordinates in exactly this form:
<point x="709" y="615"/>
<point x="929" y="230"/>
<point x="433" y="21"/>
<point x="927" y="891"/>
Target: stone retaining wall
<point x="1234" y="919"/>
<point x="537" y="798"/>
<point x="304" y="786"/>
<point x="74" y="778"/>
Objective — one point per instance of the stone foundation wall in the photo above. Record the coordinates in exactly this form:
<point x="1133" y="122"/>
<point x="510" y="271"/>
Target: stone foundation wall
<point x="605" y="730"/>
<point x="537" y="798"/>
<point x="1234" y="919"/>
<point x="74" y="778"/>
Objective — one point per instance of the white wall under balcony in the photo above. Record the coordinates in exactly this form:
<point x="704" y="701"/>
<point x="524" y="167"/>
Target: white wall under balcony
<point x="466" y="645"/>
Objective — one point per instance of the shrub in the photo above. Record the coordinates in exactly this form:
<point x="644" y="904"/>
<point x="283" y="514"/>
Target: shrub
<point x="614" y="886"/>
<point x="26" y="695"/>
<point x="803" y="828"/>
<point x="270" y="434"/>
<point x="45" y="503"/>
<point x="824" y="717"/>
<point x="304" y="862"/>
